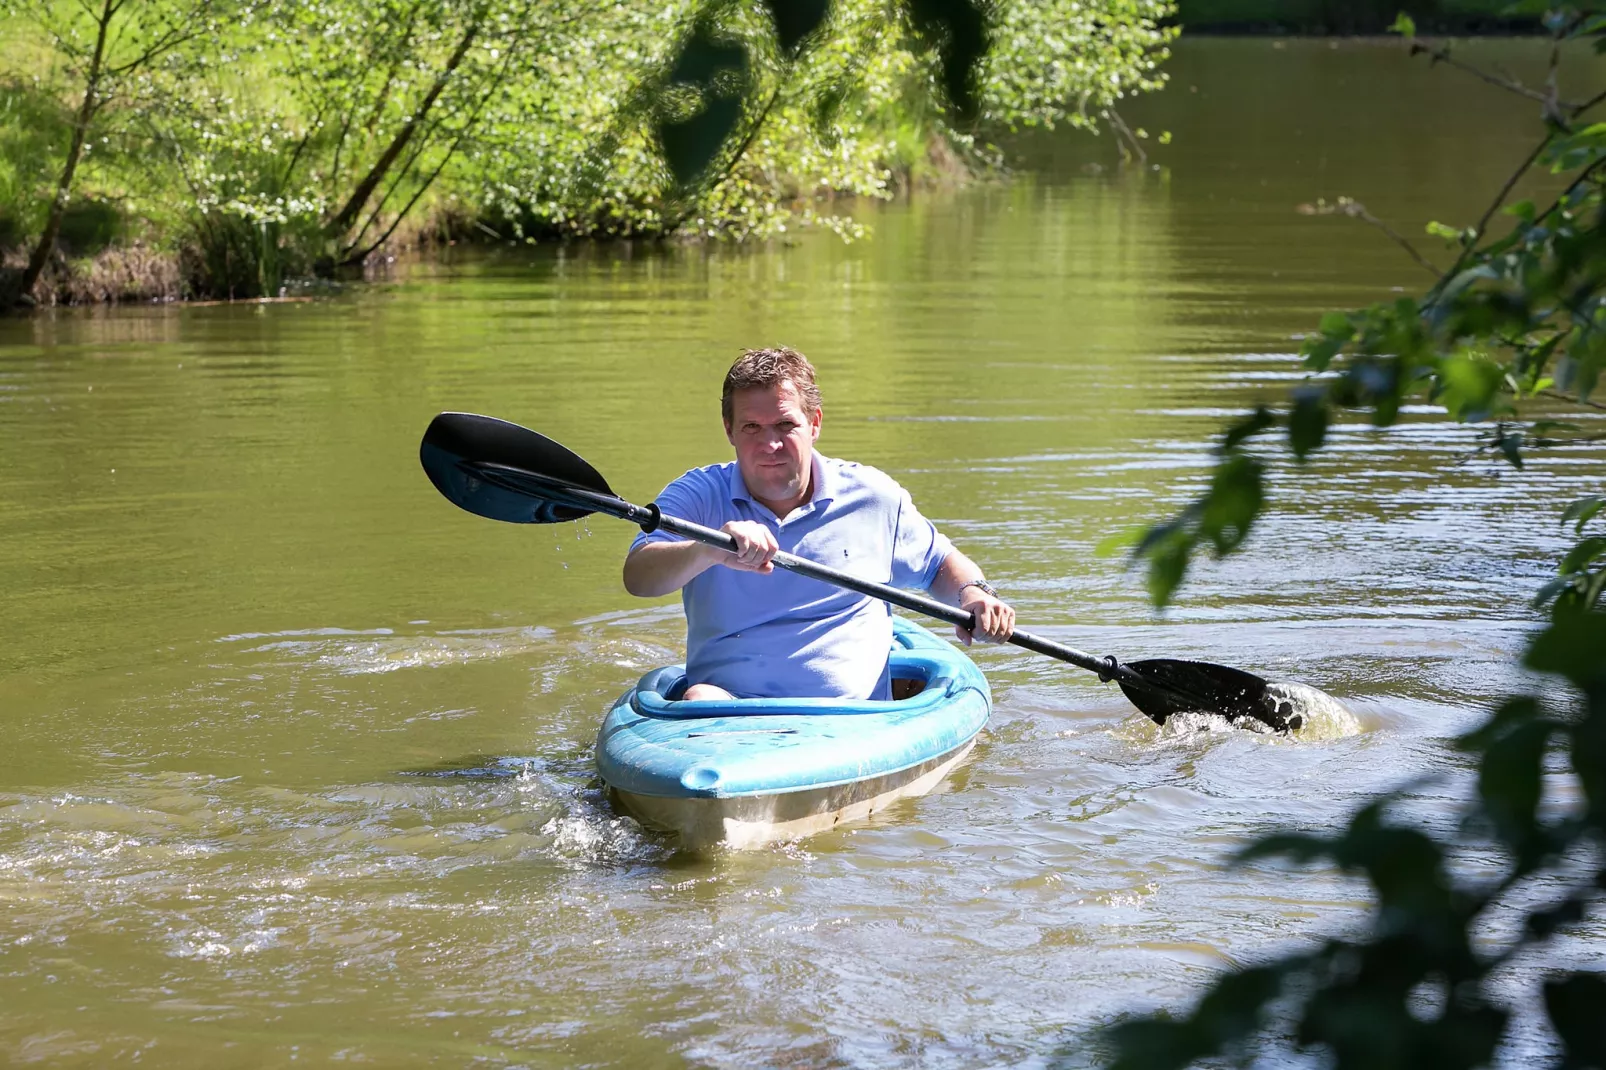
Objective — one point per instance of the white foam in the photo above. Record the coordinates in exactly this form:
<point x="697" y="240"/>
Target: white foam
<point x="1323" y="716"/>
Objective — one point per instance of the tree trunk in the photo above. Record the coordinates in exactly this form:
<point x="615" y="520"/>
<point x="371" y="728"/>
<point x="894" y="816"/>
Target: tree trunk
<point x="365" y="189"/>
<point x="58" y="207"/>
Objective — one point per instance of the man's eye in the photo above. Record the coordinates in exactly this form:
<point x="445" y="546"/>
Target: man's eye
<point x="786" y="427"/>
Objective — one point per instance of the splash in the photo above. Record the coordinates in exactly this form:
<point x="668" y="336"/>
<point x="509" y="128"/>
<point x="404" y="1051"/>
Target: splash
<point x="1315" y="714"/>
<point x="1322" y="716"/>
<point x="1187" y="724"/>
<point x="592" y="836"/>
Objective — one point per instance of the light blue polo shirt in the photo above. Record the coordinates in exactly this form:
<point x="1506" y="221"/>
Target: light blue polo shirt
<point x="785" y="635"/>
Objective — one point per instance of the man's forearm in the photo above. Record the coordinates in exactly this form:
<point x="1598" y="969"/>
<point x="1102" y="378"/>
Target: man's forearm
<point x="659" y="568"/>
<point x="956" y="569"/>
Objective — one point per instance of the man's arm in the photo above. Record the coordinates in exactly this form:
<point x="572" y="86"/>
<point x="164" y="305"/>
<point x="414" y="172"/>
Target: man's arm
<point x="995" y="619"/>
<point x="655" y="569"/>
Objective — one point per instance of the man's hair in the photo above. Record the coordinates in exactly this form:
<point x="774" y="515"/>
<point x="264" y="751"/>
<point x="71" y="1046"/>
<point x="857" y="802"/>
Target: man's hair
<point x="765" y="368"/>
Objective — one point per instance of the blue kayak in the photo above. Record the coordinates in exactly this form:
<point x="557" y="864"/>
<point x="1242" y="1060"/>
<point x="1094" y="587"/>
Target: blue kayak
<point x="750" y="771"/>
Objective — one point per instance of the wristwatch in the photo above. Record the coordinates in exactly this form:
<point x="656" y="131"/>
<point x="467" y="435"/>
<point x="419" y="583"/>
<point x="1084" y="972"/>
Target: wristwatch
<point x="983" y="584"/>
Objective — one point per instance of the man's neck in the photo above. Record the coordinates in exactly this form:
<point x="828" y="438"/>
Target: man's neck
<point x="784" y="509"/>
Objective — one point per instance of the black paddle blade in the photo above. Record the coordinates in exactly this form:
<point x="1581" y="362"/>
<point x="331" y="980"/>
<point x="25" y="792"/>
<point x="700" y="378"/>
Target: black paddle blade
<point x="457" y="441"/>
<point x="1200" y="687"/>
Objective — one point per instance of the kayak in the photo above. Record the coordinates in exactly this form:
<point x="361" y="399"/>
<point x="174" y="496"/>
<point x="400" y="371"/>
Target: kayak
<point x="744" y="772"/>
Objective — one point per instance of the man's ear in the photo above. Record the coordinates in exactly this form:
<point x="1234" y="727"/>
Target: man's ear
<point x="817" y="419"/>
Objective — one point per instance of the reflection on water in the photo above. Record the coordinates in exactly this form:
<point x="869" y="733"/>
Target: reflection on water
<point x="296" y="756"/>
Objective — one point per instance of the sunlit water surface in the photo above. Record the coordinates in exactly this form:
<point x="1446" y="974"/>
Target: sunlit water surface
<point x="295" y="757"/>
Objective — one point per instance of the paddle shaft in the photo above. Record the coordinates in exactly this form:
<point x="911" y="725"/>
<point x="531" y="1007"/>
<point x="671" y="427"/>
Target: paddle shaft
<point x="651" y="518"/>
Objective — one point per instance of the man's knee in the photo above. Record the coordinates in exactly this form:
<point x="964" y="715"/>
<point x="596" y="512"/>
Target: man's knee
<point x="706" y="693"/>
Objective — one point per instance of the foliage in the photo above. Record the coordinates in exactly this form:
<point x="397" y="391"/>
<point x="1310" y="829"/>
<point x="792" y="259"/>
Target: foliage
<point x="1036" y="76"/>
<point x="282" y="136"/>
<point x="33" y="131"/>
<point x="106" y="53"/>
<point x="1517" y="317"/>
<point x="837" y="75"/>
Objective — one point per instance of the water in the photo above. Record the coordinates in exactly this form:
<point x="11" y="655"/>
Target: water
<point x="296" y="758"/>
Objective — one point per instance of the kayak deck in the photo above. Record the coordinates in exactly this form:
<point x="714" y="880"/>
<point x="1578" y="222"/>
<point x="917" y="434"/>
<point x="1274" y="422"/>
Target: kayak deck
<point x="749" y="771"/>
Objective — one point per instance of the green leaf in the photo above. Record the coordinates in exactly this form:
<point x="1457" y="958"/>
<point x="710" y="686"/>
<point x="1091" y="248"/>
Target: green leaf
<point x="1590" y="26"/>
<point x="1337" y="325"/>
<point x="1298" y="847"/>
<point x="1578" y="149"/>
<point x="1469" y="386"/>
<point x="1404" y="25"/>
<point x="1319" y="350"/>
<point x="1574" y="1003"/>
<point x="1523" y="210"/>
<point x="1249" y="426"/>
<point x="1307" y="424"/>
<point x="1571" y="646"/>
<point x="1550" y="590"/>
<point x="1336" y="330"/>
<point x="1583" y="554"/>
<point x="1583" y="511"/>
<point x="1508" y="716"/>
<point x="1168" y="563"/>
<point x="1233" y="502"/>
<point x="1155" y="1044"/>
<point x="1589" y="597"/>
<point x="1405" y="867"/>
<point x="1459" y="235"/>
<point x="796" y="20"/>
<point x="1118" y="543"/>
<point x="1510" y="782"/>
<point x="1229" y="1012"/>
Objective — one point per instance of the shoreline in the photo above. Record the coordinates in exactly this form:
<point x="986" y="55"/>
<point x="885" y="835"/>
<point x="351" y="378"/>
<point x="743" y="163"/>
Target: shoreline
<point x="1476" y="27"/>
<point x="1350" y="18"/>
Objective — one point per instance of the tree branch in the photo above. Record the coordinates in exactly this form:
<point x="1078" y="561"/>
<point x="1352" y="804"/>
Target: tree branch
<point x="179" y="31"/>
<point x="1557" y="395"/>
<point x="494" y="82"/>
<point x="359" y="196"/>
<point x="58" y="204"/>
<point x="1441" y="54"/>
<point x="1483" y="223"/>
<point x="1349" y="206"/>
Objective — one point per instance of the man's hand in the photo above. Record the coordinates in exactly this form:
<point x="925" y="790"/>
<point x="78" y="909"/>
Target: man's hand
<point x="995" y="619"/>
<point x="755" y="546"/>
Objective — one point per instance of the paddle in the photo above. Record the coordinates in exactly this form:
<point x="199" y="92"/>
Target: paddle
<point x="500" y="470"/>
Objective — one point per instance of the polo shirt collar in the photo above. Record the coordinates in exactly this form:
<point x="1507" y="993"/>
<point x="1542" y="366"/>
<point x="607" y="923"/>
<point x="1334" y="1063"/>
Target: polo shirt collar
<point x="824" y="480"/>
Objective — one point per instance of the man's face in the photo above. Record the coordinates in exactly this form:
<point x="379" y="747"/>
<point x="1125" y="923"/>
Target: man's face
<point x="774" y="439"/>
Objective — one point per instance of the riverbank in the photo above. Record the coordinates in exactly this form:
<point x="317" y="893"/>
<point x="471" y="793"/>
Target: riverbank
<point x="311" y="139"/>
<point x="1341" y="17"/>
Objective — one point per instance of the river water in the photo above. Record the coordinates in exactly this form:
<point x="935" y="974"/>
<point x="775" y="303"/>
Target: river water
<point x="295" y="756"/>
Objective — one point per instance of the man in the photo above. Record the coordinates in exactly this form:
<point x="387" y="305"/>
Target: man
<point x="754" y="632"/>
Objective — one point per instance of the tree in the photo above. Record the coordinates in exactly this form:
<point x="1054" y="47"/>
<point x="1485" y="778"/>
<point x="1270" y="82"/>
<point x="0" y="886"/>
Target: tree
<point x="1515" y="318"/>
<point x="106" y="47"/>
<point x="1012" y="63"/>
